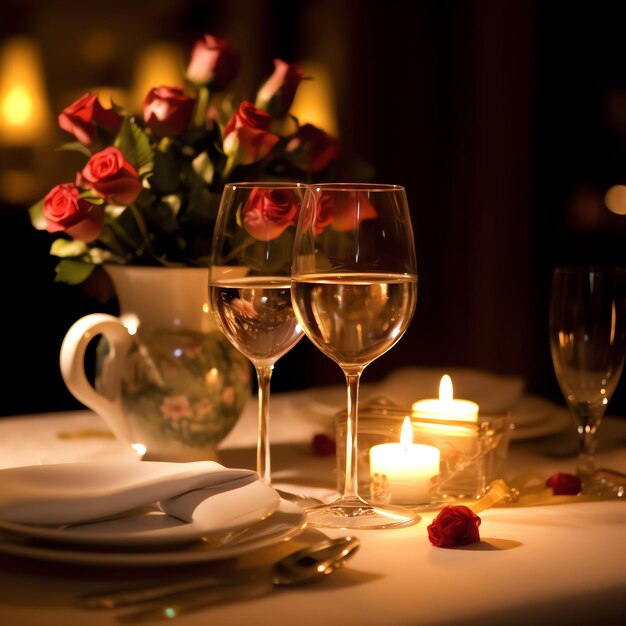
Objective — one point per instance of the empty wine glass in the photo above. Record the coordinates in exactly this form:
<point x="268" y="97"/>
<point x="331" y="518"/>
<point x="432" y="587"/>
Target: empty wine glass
<point x="354" y="291"/>
<point x="250" y="283"/>
<point x="588" y="345"/>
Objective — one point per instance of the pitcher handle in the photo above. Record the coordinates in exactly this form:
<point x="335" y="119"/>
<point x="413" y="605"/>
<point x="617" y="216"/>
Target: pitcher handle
<point x="72" y="361"/>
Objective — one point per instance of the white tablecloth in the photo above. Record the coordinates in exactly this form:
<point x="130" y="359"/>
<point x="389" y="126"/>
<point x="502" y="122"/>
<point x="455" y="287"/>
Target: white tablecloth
<point x="561" y="564"/>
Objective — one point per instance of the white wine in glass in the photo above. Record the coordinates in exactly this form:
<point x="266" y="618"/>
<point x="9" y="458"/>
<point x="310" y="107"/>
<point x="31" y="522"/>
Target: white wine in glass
<point x="588" y="346"/>
<point x="250" y="283"/>
<point x="354" y="289"/>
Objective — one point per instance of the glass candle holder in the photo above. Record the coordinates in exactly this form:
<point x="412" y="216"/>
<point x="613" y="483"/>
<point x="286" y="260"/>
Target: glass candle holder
<point x="471" y="455"/>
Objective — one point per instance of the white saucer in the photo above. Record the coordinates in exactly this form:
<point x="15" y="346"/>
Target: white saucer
<point x="287" y="522"/>
<point x="220" y="513"/>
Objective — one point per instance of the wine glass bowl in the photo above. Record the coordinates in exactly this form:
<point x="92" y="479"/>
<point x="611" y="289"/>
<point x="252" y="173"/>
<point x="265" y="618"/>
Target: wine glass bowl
<point x="588" y="346"/>
<point x="250" y="283"/>
<point x="354" y="290"/>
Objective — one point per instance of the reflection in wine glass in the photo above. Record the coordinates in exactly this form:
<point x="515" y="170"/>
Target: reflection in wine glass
<point x="250" y="283"/>
<point x="354" y="289"/>
<point x="588" y="346"/>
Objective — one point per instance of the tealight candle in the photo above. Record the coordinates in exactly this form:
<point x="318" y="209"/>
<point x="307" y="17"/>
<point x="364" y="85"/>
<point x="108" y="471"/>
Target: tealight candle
<point x="446" y="407"/>
<point x="407" y="467"/>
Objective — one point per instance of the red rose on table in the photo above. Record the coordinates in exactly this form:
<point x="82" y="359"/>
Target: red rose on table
<point x="318" y="148"/>
<point x="268" y="212"/>
<point x="323" y="445"/>
<point x="66" y="211"/>
<point x="108" y="173"/>
<point x="564" y="484"/>
<point x="246" y="136"/>
<point x="214" y="62"/>
<point x="167" y="111"/>
<point x="277" y="93"/>
<point x="454" y="526"/>
<point x="82" y="118"/>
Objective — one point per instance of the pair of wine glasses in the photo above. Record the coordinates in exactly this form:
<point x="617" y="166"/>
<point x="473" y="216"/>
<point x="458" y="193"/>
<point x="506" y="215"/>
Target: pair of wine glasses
<point x="335" y="262"/>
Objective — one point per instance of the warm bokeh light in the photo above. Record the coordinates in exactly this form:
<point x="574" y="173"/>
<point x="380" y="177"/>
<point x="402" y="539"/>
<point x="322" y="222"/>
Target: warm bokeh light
<point x="24" y="111"/>
<point x="315" y="99"/>
<point x="615" y="199"/>
<point x="158" y="64"/>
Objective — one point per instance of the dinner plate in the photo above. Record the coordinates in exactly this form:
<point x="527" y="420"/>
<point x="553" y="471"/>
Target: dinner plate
<point x="219" y="513"/>
<point x="287" y="522"/>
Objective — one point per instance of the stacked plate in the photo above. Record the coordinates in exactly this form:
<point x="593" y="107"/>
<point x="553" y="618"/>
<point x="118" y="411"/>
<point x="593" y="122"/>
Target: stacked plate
<point x="204" y="512"/>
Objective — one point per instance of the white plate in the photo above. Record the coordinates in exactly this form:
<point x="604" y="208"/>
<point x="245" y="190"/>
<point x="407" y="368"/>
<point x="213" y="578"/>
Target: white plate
<point x="555" y="423"/>
<point x="223" y="512"/>
<point x="287" y="522"/>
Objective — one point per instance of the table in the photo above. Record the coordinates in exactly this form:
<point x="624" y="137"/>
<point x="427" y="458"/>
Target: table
<point x="561" y="564"/>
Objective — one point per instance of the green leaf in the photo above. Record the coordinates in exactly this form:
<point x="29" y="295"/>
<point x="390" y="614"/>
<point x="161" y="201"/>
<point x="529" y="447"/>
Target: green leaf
<point x="37" y="218"/>
<point x="75" y="146"/>
<point x="133" y="142"/>
<point x="72" y="272"/>
<point x="68" y="248"/>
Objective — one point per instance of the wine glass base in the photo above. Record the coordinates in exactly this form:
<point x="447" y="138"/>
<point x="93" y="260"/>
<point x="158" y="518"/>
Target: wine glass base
<point x="351" y="513"/>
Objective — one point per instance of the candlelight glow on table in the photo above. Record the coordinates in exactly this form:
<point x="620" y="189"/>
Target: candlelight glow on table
<point x="446" y="407"/>
<point x="404" y="470"/>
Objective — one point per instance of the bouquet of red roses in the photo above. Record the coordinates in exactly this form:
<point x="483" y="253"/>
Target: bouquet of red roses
<point x="149" y="191"/>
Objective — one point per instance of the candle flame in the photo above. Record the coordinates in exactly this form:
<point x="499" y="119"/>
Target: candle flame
<point x="445" y="389"/>
<point x="406" y="434"/>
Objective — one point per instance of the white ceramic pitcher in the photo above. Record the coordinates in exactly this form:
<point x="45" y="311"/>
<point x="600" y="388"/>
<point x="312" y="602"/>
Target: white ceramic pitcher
<point x="167" y="381"/>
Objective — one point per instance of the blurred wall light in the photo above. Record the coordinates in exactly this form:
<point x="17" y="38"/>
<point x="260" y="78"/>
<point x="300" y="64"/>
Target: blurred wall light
<point x="24" y="108"/>
<point x="615" y="199"/>
<point x="315" y="99"/>
<point x="158" y="64"/>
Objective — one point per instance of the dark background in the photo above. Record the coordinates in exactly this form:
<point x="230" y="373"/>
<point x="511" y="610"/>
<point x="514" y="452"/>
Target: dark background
<point x="504" y="120"/>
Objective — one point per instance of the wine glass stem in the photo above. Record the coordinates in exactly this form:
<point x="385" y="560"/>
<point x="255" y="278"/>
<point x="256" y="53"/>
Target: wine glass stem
<point x="264" y="377"/>
<point x="585" y="465"/>
<point x="351" y="481"/>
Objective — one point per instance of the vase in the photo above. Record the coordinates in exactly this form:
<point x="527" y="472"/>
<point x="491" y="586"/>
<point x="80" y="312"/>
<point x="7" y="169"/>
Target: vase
<point x="167" y="382"/>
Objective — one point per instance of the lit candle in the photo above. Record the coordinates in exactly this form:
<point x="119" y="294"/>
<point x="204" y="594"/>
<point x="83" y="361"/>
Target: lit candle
<point x="406" y="467"/>
<point x="446" y="407"/>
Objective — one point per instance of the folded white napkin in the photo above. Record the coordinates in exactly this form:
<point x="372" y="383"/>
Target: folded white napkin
<point x="71" y="493"/>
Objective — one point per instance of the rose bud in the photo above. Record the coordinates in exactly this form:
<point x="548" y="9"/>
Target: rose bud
<point x="454" y="526"/>
<point x="66" y="211"/>
<point x="317" y="148"/>
<point x="268" y="212"/>
<point x="82" y="118"/>
<point x="167" y="111"/>
<point x="564" y="484"/>
<point x="214" y="62"/>
<point x="108" y="173"/>
<point x="277" y="93"/>
<point x="246" y="136"/>
<point x="323" y="445"/>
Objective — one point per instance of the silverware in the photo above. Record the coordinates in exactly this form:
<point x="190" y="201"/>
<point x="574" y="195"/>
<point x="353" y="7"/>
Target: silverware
<point x="303" y="566"/>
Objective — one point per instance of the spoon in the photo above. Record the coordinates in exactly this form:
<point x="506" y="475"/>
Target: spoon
<point x="303" y="566"/>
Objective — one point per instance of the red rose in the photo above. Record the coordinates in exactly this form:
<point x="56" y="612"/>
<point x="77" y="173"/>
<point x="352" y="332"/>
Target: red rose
<point x="341" y="211"/>
<point x="323" y="445"/>
<point x="66" y="212"/>
<point x="454" y="526"/>
<point x="167" y="111"/>
<point x="108" y="173"/>
<point x="268" y="212"/>
<point x="318" y="148"/>
<point x="246" y="134"/>
<point x="213" y="61"/>
<point x="83" y="116"/>
<point x="277" y="93"/>
<point x="564" y="484"/>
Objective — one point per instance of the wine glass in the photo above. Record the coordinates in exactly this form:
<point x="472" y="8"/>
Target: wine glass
<point x="588" y="345"/>
<point x="250" y="283"/>
<point x="354" y="289"/>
